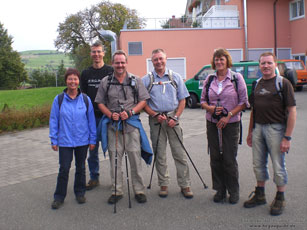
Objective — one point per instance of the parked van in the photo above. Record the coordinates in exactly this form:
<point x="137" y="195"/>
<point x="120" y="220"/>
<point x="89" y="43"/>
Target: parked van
<point x="301" y="71"/>
<point x="249" y="69"/>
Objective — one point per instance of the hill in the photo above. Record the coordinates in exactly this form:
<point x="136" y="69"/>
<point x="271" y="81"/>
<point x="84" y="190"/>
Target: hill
<point x="44" y="59"/>
<point x="27" y="99"/>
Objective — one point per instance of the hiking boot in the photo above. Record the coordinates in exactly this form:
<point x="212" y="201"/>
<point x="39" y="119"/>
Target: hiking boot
<point x="187" y="192"/>
<point x="233" y="198"/>
<point x="278" y="205"/>
<point x="257" y="199"/>
<point x="56" y="204"/>
<point x="81" y="199"/>
<point x="140" y="198"/>
<point x="163" y="191"/>
<point x="114" y="199"/>
<point x="219" y="196"/>
<point x="92" y="184"/>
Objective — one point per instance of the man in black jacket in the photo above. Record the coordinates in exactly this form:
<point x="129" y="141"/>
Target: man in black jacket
<point x="90" y="80"/>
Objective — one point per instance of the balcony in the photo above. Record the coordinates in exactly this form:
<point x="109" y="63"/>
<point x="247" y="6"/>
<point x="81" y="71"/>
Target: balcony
<point x="219" y="17"/>
<point x="218" y="22"/>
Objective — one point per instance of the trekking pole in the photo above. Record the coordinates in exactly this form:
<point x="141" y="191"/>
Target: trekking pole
<point x="155" y="156"/>
<point x="126" y="160"/>
<point x="220" y="131"/>
<point x="116" y="155"/>
<point x="205" y="186"/>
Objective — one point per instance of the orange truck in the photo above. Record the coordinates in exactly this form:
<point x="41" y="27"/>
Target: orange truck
<point x="299" y="67"/>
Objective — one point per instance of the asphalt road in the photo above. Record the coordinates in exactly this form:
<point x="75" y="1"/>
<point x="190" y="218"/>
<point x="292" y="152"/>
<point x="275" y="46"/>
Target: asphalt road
<point x="28" y="172"/>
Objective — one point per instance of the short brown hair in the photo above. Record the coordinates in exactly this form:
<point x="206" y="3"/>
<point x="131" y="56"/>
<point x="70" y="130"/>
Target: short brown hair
<point x="266" y="54"/>
<point x="159" y="50"/>
<point x="119" y="52"/>
<point x="221" y="52"/>
<point x="97" y="44"/>
<point x="71" y="71"/>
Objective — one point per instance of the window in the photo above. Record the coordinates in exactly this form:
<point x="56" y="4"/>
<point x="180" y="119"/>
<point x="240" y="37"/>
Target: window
<point x="294" y="65"/>
<point x="254" y="54"/>
<point x="238" y="69"/>
<point x="236" y="54"/>
<point x="297" y="9"/>
<point x="217" y="2"/>
<point x="300" y="57"/>
<point x="254" y="72"/>
<point x="283" y="53"/>
<point x="178" y="65"/>
<point x="203" y="75"/>
<point x="135" y="48"/>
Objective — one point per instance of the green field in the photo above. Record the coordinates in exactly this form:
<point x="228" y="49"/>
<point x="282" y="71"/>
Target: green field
<point x="44" y="60"/>
<point x="28" y="98"/>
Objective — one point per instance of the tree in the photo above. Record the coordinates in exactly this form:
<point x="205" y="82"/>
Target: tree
<point x="49" y="79"/>
<point x="60" y="74"/>
<point x="78" y="30"/>
<point x="37" y="79"/>
<point x="12" y="71"/>
<point x="41" y="78"/>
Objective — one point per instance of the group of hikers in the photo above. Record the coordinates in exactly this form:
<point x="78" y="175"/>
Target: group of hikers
<point x="107" y="106"/>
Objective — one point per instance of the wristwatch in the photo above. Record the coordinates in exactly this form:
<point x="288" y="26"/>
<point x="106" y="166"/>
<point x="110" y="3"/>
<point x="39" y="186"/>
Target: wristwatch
<point x="175" y="118"/>
<point x="230" y="114"/>
<point x="132" y="112"/>
<point x="287" y="138"/>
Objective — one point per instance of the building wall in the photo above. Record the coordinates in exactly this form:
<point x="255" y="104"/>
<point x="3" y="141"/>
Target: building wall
<point x="260" y="16"/>
<point x="196" y="45"/>
<point x="299" y="34"/>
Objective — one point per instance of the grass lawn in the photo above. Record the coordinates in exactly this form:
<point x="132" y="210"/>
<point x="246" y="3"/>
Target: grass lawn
<point x="28" y="98"/>
<point x="44" y="59"/>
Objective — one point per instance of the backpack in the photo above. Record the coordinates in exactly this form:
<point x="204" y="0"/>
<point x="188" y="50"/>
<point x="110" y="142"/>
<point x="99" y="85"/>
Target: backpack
<point x="278" y="85"/>
<point x="234" y="81"/>
<point x="61" y="97"/>
<point x="152" y="83"/>
<point x="133" y="84"/>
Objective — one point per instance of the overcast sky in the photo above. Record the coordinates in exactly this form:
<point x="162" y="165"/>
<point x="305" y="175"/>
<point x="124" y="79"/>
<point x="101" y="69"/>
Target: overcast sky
<point x="33" y="23"/>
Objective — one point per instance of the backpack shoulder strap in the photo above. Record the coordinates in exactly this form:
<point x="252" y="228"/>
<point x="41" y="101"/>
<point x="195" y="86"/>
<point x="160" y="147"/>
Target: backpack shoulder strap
<point x="85" y="99"/>
<point x="60" y="99"/>
<point x="171" y="78"/>
<point x="234" y="79"/>
<point x="151" y="78"/>
<point x="110" y="77"/>
<point x="134" y="86"/>
<point x="279" y="84"/>
<point x="255" y="83"/>
<point x="133" y="81"/>
<point x="211" y="77"/>
<point x="279" y="88"/>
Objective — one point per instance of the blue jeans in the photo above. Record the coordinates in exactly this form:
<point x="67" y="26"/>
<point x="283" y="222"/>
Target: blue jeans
<point x="266" y="140"/>
<point x="93" y="159"/>
<point x="65" y="158"/>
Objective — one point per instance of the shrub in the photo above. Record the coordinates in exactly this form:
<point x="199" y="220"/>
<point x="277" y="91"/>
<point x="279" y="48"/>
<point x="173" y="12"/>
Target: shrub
<point x="13" y="119"/>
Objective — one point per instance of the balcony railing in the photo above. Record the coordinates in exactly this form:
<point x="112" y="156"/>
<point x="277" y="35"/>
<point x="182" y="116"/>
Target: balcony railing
<point x="219" y="22"/>
<point x="189" y="22"/>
